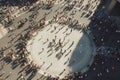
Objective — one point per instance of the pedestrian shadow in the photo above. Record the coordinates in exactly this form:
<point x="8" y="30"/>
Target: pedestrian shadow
<point x="19" y="3"/>
<point x="31" y="77"/>
<point x="19" y="77"/>
<point x="29" y="71"/>
<point x="14" y="64"/>
<point x="6" y="60"/>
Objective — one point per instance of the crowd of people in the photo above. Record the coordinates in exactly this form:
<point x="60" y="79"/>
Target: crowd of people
<point x="101" y="27"/>
<point x="9" y="10"/>
<point x="109" y="27"/>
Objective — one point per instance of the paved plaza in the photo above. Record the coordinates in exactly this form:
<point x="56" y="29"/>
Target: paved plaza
<point x="57" y="40"/>
<point x="46" y="51"/>
<point x="3" y="31"/>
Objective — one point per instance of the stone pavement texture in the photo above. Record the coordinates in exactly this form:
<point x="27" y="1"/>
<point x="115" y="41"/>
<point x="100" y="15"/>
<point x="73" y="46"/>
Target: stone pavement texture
<point x="70" y="57"/>
<point x="9" y="40"/>
<point x="3" y="31"/>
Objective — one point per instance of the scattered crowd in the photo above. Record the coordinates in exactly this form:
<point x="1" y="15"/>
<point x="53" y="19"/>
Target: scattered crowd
<point x="101" y="28"/>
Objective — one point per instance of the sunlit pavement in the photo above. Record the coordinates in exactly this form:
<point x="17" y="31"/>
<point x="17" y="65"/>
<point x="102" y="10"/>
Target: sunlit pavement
<point x="10" y="39"/>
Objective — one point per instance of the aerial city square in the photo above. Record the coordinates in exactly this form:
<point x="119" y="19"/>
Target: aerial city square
<point x="59" y="40"/>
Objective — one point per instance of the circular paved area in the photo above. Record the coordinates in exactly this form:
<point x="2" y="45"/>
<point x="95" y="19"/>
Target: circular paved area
<point x="60" y="50"/>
